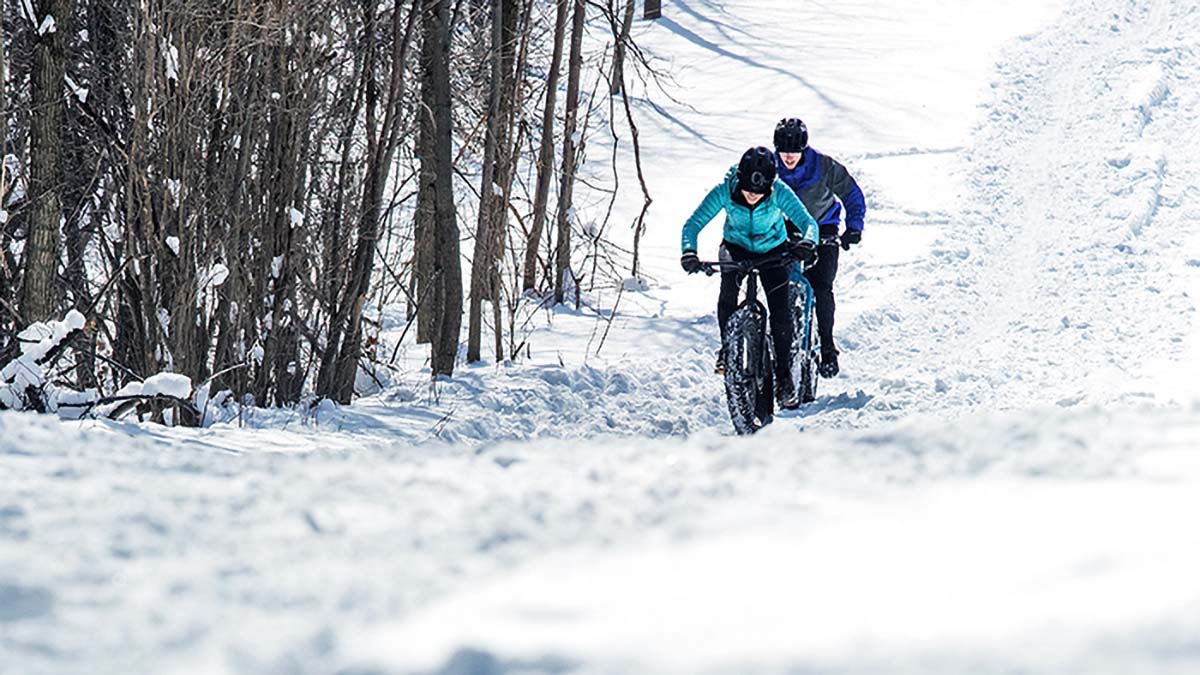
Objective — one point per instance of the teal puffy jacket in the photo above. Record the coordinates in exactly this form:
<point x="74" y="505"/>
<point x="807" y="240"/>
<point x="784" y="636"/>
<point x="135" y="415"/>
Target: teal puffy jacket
<point x="757" y="230"/>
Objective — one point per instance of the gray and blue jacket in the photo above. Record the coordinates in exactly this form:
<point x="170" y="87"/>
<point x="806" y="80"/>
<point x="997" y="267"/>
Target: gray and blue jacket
<point x="816" y="180"/>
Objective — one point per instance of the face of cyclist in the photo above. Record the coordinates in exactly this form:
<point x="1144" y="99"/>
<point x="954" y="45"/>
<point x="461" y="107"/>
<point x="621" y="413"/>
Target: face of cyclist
<point x="791" y="159"/>
<point x="752" y="198"/>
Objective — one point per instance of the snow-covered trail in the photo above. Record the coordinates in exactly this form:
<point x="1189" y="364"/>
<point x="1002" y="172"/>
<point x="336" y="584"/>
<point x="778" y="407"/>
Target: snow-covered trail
<point x="1062" y="281"/>
<point x="997" y="543"/>
<point x="1044" y="257"/>
<point x="1003" y="480"/>
<point x="1059" y="282"/>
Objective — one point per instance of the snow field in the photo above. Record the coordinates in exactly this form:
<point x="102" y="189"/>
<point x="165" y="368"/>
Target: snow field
<point x="279" y="562"/>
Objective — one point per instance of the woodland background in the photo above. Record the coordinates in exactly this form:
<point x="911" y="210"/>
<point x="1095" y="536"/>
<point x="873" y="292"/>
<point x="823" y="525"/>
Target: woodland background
<point x="232" y="190"/>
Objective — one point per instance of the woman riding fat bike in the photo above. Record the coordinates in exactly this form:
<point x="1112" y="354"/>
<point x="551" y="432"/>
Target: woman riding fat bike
<point x="750" y="359"/>
<point x="755" y="203"/>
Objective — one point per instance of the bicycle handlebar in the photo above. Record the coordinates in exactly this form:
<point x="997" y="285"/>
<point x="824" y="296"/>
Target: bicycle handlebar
<point x="752" y="264"/>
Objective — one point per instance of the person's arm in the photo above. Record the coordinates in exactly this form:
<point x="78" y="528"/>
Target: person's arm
<point x="794" y="209"/>
<point x="846" y="188"/>
<point x="708" y="209"/>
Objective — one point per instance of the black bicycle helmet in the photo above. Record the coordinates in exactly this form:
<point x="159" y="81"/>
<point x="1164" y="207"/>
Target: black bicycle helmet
<point x="756" y="171"/>
<point x="791" y="135"/>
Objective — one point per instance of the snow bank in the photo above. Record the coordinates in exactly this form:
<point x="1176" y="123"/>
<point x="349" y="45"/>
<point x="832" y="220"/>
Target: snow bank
<point x="1148" y="90"/>
<point x="660" y="555"/>
<point x="171" y="384"/>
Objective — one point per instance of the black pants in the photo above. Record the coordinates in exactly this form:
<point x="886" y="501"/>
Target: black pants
<point x="774" y="281"/>
<point x="821" y="277"/>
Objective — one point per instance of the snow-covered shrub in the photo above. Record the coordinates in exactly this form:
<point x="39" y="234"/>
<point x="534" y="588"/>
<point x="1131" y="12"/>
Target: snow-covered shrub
<point x="23" y="378"/>
<point x="28" y="382"/>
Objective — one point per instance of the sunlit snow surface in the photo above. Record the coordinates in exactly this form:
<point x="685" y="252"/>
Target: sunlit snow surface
<point x="1004" y="479"/>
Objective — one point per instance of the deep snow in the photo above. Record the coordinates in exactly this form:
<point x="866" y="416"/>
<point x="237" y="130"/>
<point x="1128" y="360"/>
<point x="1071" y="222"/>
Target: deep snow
<point x="1003" y="480"/>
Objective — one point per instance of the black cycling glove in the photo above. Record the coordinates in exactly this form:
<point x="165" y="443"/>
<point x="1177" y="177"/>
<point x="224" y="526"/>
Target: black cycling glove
<point x="803" y="250"/>
<point x="851" y="237"/>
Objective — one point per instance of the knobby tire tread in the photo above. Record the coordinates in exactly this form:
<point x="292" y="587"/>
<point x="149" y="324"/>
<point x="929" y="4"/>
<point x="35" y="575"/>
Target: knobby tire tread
<point x="750" y="401"/>
<point x="804" y="361"/>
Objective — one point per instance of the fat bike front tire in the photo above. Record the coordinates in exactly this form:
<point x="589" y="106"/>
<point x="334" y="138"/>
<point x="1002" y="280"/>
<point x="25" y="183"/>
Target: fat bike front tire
<point x="806" y="349"/>
<point x="749" y="387"/>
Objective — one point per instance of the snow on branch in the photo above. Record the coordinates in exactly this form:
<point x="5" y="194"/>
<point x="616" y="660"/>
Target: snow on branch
<point x="27" y="10"/>
<point x="24" y="376"/>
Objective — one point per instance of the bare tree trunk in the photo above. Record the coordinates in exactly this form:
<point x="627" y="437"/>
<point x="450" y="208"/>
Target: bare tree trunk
<point x="232" y="343"/>
<point x="381" y="140"/>
<point x="481" y="261"/>
<point x="515" y="59"/>
<point x="76" y="239"/>
<point x="3" y="128"/>
<point x="617" y="82"/>
<point x="177" y="156"/>
<point x="562" y="264"/>
<point x="447" y="268"/>
<point x="39" y="293"/>
<point x="545" y="163"/>
<point x="335" y="233"/>
<point x="138" y="342"/>
<point x="8" y="269"/>
<point x="345" y="331"/>
<point x="425" y="222"/>
<point x="621" y="37"/>
<point x="277" y="374"/>
<point x="498" y="170"/>
<point x="424" y="226"/>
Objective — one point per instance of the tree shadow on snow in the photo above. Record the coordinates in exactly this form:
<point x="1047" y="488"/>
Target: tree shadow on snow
<point x="662" y="112"/>
<point x="722" y="27"/>
<point x="718" y="49"/>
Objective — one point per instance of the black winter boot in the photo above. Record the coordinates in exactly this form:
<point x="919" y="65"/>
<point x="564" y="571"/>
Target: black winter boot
<point x="786" y="396"/>
<point x="829" y="363"/>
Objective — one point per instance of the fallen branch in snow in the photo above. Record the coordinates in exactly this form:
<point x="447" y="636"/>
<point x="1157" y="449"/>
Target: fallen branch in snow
<point x="440" y="425"/>
<point x="122" y="367"/>
<point x="56" y="352"/>
<point x="147" y="404"/>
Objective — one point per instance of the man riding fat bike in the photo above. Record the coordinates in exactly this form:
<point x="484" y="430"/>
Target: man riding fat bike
<point x="756" y="204"/>
<point x="816" y="179"/>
